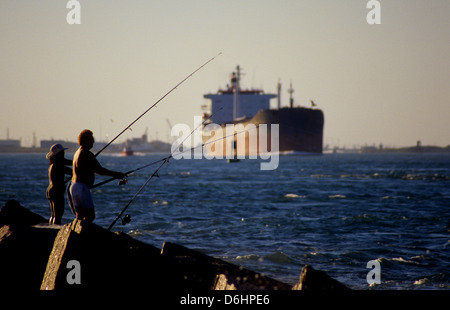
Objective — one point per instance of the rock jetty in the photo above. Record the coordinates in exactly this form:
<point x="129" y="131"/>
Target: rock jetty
<point x="36" y="255"/>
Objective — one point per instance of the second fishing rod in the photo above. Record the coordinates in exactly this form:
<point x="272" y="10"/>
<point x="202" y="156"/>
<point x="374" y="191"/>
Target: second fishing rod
<point x="124" y="181"/>
<point x="146" y="111"/>
<point x="155" y="173"/>
<point x="166" y="160"/>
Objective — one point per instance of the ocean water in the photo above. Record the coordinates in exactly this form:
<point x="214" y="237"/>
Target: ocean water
<point x="335" y="212"/>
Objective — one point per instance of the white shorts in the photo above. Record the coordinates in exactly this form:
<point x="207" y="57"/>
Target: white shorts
<point x="81" y="196"/>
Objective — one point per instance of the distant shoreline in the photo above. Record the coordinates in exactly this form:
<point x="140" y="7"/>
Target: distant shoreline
<point x="38" y="150"/>
<point x="363" y="150"/>
<point x="409" y="149"/>
<point x="138" y="145"/>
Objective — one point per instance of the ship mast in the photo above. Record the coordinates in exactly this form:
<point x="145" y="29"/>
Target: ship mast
<point x="279" y="94"/>
<point x="291" y="99"/>
<point x="235" y="80"/>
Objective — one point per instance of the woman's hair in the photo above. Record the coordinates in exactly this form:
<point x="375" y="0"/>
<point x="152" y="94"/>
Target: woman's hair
<point x="84" y="137"/>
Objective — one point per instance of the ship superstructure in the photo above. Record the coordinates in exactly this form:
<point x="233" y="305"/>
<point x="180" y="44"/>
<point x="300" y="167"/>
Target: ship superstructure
<point x="234" y="103"/>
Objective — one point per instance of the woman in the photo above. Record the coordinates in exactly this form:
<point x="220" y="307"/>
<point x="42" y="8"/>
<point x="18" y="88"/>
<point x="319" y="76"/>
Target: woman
<point x="56" y="187"/>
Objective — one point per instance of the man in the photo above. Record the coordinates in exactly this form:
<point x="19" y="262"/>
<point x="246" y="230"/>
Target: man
<point x="85" y="166"/>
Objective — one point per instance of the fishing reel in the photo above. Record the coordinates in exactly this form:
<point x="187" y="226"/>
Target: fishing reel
<point x="126" y="219"/>
<point x="122" y="181"/>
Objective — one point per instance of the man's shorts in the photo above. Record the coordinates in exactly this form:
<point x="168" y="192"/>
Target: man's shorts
<point x="81" y="197"/>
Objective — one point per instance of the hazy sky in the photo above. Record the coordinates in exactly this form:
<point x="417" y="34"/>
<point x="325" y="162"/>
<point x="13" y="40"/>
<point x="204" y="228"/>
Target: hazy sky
<point x="386" y="83"/>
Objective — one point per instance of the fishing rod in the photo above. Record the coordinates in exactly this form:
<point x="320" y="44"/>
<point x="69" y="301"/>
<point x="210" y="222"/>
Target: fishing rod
<point x="124" y="181"/>
<point x="145" y="112"/>
<point x="165" y="160"/>
<point x="121" y="182"/>
<point x="158" y="101"/>
<point x="137" y="193"/>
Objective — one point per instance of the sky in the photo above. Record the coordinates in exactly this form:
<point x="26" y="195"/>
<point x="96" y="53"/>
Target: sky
<point x="376" y="83"/>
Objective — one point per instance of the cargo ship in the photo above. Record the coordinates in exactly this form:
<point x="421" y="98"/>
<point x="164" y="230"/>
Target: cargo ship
<point x="299" y="130"/>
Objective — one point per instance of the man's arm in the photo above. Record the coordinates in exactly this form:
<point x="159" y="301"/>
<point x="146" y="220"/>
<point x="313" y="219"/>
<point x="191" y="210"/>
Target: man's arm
<point x="103" y="171"/>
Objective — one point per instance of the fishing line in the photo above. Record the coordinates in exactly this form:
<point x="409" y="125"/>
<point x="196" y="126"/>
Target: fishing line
<point x="139" y="117"/>
<point x="165" y="160"/>
<point x="145" y="112"/>
<point x="127" y="173"/>
<point x="170" y="156"/>
<point x="137" y="193"/>
<point x="158" y="101"/>
<point x="124" y="181"/>
<point x="218" y="139"/>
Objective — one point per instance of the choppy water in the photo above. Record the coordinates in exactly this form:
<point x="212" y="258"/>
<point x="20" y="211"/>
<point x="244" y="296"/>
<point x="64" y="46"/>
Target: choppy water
<point x="335" y="212"/>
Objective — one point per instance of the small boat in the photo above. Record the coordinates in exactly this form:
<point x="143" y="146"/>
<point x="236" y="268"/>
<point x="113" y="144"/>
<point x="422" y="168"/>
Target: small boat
<point x="127" y="151"/>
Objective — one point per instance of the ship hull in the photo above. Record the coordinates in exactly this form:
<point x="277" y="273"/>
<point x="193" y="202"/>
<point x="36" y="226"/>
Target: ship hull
<point x="300" y="131"/>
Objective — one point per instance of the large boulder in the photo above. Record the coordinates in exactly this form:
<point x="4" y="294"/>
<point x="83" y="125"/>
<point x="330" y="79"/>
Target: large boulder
<point x="316" y="280"/>
<point x="200" y="271"/>
<point x="106" y="260"/>
<point x="12" y="213"/>
<point x="24" y="251"/>
<point x="26" y="241"/>
<point x="110" y="260"/>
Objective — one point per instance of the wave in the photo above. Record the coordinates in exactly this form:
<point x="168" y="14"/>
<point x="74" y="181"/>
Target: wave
<point x="276" y="257"/>
<point x="160" y="202"/>
<point x="290" y="195"/>
<point x="399" y="259"/>
<point x="179" y="173"/>
<point x="279" y="257"/>
<point x="249" y="257"/>
<point x="337" y="196"/>
<point x="422" y="281"/>
<point x="401" y="175"/>
<point x="404" y="261"/>
<point x="417" y="176"/>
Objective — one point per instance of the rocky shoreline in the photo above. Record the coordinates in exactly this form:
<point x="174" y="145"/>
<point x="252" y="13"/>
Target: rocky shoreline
<point x="79" y="255"/>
